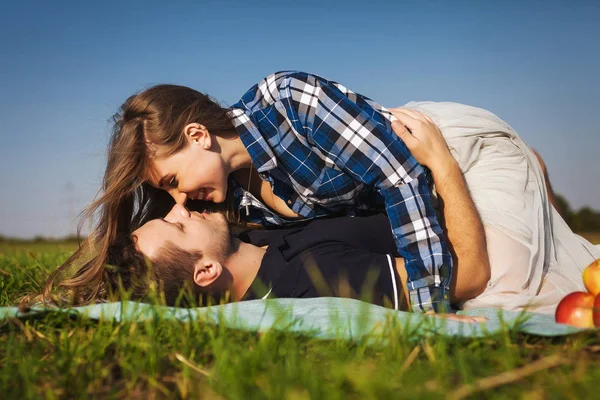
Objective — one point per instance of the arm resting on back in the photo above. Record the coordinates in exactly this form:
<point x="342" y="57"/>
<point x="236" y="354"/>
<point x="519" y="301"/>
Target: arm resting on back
<point x="465" y="233"/>
<point x="463" y="227"/>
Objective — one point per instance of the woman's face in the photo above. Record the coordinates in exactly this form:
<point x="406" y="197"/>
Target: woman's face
<point x="195" y="172"/>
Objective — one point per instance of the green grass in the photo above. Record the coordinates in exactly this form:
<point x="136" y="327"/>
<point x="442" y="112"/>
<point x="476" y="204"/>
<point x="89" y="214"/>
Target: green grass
<point x="57" y="356"/>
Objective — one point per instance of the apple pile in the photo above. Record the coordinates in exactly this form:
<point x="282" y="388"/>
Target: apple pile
<point x="582" y="309"/>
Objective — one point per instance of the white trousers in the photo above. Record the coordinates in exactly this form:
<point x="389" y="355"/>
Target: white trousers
<point x="535" y="258"/>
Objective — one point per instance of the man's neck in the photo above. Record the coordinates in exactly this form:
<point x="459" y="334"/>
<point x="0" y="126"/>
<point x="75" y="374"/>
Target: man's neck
<point x="243" y="266"/>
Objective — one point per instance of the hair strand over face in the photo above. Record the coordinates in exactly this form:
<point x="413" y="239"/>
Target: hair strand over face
<point x="158" y="116"/>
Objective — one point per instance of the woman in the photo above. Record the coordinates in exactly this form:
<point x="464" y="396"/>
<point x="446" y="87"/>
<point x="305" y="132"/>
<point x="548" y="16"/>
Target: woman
<point x="295" y="147"/>
<point x="535" y="258"/>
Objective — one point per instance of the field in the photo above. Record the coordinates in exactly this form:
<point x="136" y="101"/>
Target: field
<point x="56" y="356"/>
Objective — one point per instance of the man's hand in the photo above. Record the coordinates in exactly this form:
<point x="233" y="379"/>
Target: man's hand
<point x="423" y="138"/>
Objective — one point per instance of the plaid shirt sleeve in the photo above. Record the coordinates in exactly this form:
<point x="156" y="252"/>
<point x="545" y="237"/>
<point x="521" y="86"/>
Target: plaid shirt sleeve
<point x="351" y="132"/>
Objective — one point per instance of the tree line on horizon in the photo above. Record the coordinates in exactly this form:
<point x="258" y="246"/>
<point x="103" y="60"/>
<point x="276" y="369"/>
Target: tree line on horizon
<point x="585" y="219"/>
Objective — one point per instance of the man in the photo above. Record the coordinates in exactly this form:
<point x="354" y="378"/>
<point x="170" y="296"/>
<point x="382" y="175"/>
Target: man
<point x="324" y="257"/>
<point x="340" y="257"/>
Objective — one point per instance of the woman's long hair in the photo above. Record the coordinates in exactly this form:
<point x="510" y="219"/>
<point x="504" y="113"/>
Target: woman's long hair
<point x="158" y="116"/>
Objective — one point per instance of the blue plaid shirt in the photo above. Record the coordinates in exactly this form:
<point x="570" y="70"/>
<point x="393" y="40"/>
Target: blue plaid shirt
<point x="326" y="150"/>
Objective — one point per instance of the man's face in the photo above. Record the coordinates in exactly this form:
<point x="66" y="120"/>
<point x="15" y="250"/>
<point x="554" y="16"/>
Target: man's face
<point x="190" y="231"/>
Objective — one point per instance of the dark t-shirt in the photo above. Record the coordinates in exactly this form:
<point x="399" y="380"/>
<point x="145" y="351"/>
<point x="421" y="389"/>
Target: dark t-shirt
<point x="340" y="257"/>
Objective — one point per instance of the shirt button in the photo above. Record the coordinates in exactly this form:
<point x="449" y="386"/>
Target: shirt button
<point x="289" y="202"/>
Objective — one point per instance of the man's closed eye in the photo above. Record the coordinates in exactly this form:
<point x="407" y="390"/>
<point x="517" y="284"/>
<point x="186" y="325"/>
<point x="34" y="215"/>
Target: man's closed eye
<point x="179" y="225"/>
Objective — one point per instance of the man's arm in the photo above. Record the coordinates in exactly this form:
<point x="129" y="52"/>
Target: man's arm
<point x="465" y="234"/>
<point x="463" y="225"/>
<point x="401" y="269"/>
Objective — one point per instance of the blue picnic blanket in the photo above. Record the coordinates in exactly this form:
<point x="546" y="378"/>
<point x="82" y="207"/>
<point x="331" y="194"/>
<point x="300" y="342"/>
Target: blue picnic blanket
<point x="325" y="317"/>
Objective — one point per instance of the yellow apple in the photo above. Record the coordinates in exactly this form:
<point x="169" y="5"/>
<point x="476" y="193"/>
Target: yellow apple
<point x="597" y="311"/>
<point x="591" y="277"/>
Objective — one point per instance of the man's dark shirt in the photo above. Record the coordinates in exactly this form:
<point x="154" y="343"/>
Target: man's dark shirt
<point x="341" y="257"/>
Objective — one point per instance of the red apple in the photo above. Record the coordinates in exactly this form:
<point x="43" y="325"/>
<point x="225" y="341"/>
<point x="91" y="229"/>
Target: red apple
<point x="597" y="311"/>
<point x="576" y="309"/>
<point x="591" y="277"/>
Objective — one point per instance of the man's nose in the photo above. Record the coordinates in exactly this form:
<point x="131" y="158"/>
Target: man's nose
<point x="177" y="213"/>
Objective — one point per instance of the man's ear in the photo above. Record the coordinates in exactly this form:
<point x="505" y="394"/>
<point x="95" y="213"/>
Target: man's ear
<point x="197" y="135"/>
<point x="206" y="272"/>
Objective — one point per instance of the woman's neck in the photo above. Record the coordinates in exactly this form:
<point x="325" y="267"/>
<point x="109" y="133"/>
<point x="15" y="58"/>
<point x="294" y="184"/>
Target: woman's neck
<point x="235" y="153"/>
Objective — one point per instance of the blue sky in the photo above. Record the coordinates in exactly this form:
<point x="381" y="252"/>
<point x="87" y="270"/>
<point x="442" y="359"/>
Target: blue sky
<point x="66" y="66"/>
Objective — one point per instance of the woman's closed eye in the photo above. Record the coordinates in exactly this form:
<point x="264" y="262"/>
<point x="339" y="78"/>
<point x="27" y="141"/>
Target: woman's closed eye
<point x="173" y="182"/>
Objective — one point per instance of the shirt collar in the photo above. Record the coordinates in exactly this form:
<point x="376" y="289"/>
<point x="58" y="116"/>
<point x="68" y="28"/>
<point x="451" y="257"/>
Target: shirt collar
<point x="269" y="272"/>
<point x="258" y="148"/>
<point x="273" y="263"/>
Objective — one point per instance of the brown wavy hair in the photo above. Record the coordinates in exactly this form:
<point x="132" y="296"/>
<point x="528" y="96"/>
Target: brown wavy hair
<point x="156" y="115"/>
